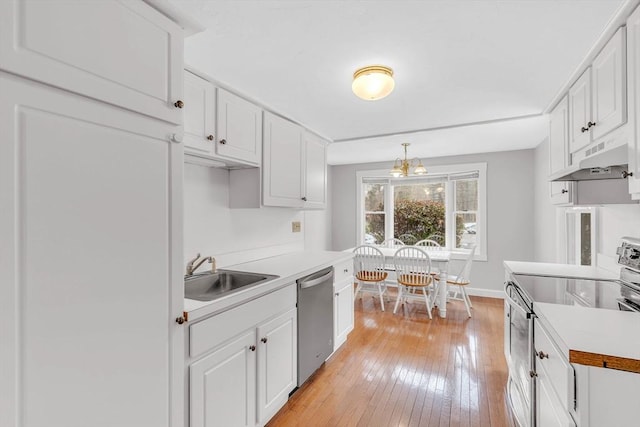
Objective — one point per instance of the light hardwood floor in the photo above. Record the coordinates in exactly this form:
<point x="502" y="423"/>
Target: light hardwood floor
<point x="407" y="370"/>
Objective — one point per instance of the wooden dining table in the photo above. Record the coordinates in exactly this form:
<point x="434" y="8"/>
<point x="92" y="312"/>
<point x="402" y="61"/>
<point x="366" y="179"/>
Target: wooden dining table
<point x="439" y="258"/>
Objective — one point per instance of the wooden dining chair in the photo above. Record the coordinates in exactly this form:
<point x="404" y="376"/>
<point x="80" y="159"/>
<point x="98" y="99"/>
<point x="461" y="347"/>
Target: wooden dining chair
<point x="369" y="271"/>
<point x="392" y="243"/>
<point x="413" y="274"/>
<point x="460" y="281"/>
<point x="430" y="244"/>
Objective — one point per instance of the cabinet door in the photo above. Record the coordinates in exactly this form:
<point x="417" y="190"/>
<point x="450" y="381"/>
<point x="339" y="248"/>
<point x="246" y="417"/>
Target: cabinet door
<point x="633" y="75"/>
<point x="315" y="172"/>
<point x="559" y="151"/>
<point x="282" y="167"/>
<point x="343" y="312"/>
<point x="90" y="195"/>
<point x="199" y="115"/>
<point x="609" y="86"/>
<point x="549" y="413"/>
<point x="580" y="112"/>
<point x="121" y="52"/>
<point x="277" y="363"/>
<point x="222" y="386"/>
<point x="239" y="129"/>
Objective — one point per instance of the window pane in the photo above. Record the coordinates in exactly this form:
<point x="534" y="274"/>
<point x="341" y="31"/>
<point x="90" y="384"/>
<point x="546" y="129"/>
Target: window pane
<point x="466" y="230"/>
<point x="374" y="197"/>
<point x="467" y="195"/>
<point x="419" y="211"/>
<point x="373" y="229"/>
<point x="585" y="238"/>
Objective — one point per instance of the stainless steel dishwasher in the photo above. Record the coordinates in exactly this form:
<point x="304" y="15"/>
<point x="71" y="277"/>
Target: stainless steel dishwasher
<point x="315" y="322"/>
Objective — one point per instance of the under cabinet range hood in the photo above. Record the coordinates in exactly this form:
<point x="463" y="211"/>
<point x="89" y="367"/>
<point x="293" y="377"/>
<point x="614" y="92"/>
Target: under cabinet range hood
<point x="610" y="164"/>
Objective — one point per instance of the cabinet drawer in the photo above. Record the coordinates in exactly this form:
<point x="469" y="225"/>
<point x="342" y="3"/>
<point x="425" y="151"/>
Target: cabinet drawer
<point x="211" y="332"/>
<point x="342" y="271"/>
<point x="557" y="368"/>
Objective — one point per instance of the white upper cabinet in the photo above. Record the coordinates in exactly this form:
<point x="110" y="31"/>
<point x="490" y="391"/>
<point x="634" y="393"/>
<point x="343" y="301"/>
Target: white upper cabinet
<point x="295" y="165"/>
<point x="199" y="115"/>
<point x="633" y="74"/>
<point x="136" y="64"/>
<point x="239" y="127"/>
<point x="315" y="168"/>
<point x="282" y="163"/>
<point x="580" y="108"/>
<point x="559" y="151"/>
<point x="598" y="99"/>
<point x="609" y="87"/>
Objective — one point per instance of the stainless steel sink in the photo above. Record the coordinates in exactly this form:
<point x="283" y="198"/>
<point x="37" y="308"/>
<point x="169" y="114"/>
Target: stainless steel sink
<point x="209" y="286"/>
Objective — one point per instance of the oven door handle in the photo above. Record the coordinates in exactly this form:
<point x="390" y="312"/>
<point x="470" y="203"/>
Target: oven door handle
<point x="513" y="303"/>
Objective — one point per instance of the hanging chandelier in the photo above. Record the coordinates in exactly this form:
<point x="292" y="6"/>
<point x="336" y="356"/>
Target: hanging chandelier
<point x="401" y="167"/>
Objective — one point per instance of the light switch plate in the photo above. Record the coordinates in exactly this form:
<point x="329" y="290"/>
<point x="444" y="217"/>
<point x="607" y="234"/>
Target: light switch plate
<point x="295" y="226"/>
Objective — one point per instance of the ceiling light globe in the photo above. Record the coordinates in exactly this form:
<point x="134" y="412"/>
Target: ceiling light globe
<point x="420" y="169"/>
<point x="373" y="82"/>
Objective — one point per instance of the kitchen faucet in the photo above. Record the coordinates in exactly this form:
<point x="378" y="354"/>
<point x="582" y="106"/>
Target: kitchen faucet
<point x="191" y="268"/>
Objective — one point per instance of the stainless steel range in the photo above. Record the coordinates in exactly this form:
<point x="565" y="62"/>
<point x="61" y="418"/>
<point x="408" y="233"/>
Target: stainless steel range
<point x="524" y="291"/>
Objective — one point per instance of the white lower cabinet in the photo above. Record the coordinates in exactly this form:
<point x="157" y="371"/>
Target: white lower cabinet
<point x="223" y="385"/>
<point x="277" y="363"/>
<point x="244" y="362"/>
<point x="549" y="413"/>
<point x="342" y="312"/>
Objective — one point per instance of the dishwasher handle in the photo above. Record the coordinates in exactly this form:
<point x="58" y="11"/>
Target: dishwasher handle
<point x="304" y="284"/>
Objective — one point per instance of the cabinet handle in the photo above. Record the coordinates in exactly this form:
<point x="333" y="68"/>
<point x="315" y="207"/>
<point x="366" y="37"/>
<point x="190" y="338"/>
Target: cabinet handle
<point x="543" y="355"/>
<point x="626" y="174"/>
<point x="304" y="199"/>
<point x="185" y="317"/>
<point x="252" y="347"/>
<point x="590" y="125"/>
<point x="178" y="104"/>
<point x="583" y="129"/>
<point x="223" y="141"/>
<point x="210" y="137"/>
<point x="533" y="374"/>
<point x="264" y="340"/>
<point x="564" y="190"/>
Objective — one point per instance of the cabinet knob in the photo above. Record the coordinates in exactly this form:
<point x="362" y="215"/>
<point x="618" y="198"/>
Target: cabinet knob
<point x="564" y="190"/>
<point x="304" y="199"/>
<point x="590" y="125"/>
<point x="337" y="294"/>
<point x="346" y="270"/>
<point x="533" y="374"/>
<point x="583" y="129"/>
<point x="264" y="340"/>
<point x="543" y="355"/>
<point x="178" y="104"/>
<point x="223" y="141"/>
<point x="252" y="347"/>
<point x="210" y="137"/>
<point x="626" y="174"/>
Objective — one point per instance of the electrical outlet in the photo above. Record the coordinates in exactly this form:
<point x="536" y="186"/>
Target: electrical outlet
<point x="295" y="226"/>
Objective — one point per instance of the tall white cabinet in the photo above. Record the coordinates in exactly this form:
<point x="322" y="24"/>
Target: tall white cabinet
<point x="91" y="218"/>
<point x="633" y="63"/>
<point x="561" y="192"/>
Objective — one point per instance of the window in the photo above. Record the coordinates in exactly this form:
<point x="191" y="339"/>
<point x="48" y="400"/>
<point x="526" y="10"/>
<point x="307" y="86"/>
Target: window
<point x="447" y="205"/>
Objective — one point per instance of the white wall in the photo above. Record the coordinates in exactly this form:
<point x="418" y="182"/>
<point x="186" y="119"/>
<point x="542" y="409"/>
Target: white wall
<point x="613" y="221"/>
<point x="509" y="210"/>
<point x="235" y="235"/>
<point x="545" y="236"/>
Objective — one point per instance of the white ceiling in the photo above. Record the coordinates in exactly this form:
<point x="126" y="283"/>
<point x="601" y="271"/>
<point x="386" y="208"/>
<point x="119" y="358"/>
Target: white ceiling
<point x="455" y="62"/>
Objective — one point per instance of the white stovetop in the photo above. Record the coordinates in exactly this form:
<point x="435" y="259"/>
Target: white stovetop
<point x="289" y="267"/>
<point x="560" y="270"/>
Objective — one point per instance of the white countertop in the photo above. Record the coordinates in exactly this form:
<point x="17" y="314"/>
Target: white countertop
<point x="592" y="330"/>
<point x="289" y="268"/>
<point x="559" y="270"/>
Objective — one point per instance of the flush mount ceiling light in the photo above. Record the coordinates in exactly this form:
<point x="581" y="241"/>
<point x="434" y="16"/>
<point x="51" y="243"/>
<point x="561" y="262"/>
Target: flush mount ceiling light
<point x="373" y="82"/>
<point x="401" y="166"/>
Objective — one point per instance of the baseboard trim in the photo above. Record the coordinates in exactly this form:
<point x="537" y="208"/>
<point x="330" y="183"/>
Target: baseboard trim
<point x="489" y="293"/>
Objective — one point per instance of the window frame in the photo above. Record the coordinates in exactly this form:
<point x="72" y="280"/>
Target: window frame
<point x="481" y="213"/>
